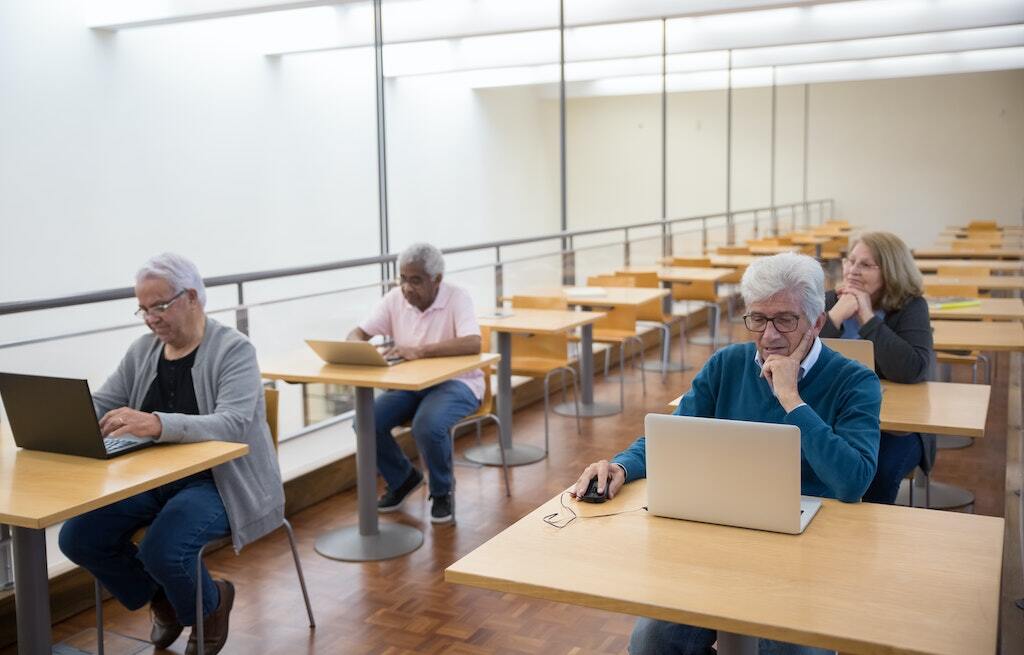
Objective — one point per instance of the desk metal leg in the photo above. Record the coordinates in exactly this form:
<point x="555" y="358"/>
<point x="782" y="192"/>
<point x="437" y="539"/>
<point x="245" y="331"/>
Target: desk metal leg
<point x="730" y="643"/>
<point x="370" y="541"/>
<point x="515" y="454"/>
<point x="588" y="407"/>
<point x="31" y="591"/>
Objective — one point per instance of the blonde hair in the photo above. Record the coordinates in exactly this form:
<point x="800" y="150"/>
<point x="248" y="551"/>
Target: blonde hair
<point x="901" y="280"/>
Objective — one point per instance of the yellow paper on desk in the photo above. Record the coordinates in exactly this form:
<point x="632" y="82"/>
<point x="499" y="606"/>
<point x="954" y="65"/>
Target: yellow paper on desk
<point x="953" y="303"/>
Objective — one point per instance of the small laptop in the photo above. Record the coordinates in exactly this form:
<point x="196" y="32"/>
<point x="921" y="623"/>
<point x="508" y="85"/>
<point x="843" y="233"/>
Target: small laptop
<point x="56" y="415"/>
<point x="352" y="353"/>
<point x="736" y="473"/>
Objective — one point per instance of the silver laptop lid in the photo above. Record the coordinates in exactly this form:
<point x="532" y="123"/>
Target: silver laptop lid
<point x="736" y="473"/>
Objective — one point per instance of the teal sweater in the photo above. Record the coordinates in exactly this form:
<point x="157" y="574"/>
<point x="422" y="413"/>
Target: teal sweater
<point x="838" y="424"/>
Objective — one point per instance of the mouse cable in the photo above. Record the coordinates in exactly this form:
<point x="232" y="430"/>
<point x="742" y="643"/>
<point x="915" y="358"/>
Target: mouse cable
<point x="554" y="520"/>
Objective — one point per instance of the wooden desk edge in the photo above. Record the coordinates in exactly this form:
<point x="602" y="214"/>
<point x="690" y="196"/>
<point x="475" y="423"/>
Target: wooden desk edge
<point x="56" y="517"/>
<point x="486" y="359"/>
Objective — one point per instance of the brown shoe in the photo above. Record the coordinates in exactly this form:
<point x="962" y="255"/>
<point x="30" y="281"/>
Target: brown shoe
<point x="215" y="626"/>
<point x="166" y="627"/>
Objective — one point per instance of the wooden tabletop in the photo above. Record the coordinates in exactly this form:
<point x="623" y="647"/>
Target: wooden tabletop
<point x="974" y="253"/>
<point x="997" y="309"/>
<point x="609" y="296"/>
<point x="963" y="335"/>
<point x="536" y="321"/>
<point x="863" y="578"/>
<point x="40" y="489"/>
<point x="809" y="239"/>
<point x="719" y="261"/>
<point x="680" y="273"/>
<point x="983" y="282"/>
<point x="304" y="366"/>
<point x="771" y="250"/>
<point x="931" y="407"/>
<point x="997" y="265"/>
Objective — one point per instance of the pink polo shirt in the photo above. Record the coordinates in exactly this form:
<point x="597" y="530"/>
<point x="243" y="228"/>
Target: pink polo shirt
<point x="450" y="316"/>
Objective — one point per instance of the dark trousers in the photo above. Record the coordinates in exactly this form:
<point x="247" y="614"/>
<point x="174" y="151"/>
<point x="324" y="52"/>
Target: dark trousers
<point x="897" y="456"/>
<point x="182" y="516"/>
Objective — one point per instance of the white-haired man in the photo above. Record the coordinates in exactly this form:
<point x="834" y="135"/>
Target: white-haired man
<point x="426" y="317"/>
<point x="191" y="379"/>
<point x="785" y="376"/>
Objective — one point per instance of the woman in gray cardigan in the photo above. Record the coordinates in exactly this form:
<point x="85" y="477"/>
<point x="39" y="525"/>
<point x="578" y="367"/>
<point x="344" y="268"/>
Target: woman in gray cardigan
<point x="192" y="379"/>
<point x="881" y="300"/>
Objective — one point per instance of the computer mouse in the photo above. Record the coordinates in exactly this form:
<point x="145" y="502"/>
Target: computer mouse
<point x="591" y="495"/>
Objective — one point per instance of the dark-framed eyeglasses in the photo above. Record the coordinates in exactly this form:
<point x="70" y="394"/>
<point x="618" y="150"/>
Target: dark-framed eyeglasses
<point x="159" y="309"/>
<point x="783" y="322"/>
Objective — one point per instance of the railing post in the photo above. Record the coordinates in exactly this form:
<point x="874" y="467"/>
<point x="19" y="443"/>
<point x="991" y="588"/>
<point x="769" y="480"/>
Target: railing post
<point x="703" y="234"/>
<point x="6" y="563"/>
<point x="242" y="313"/>
<point x="730" y="229"/>
<point x="569" y="263"/>
<point x="666" y="240"/>
<point x="775" y="220"/>
<point x="625" y="249"/>
<point x="499" y="277"/>
<point x="792" y="219"/>
<point x="757" y="214"/>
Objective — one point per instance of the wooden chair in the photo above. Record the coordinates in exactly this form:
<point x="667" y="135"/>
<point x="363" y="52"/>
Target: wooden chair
<point x="982" y="226"/>
<point x="971" y="358"/>
<point x="483" y="413"/>
<point x="963" y="271"/>
<point x="652" y="314"/>
<point x="733" y="250"/>
<point x="970" y="244"/>
<point x="618" y="327"/>
<point x="860" y="350"/>
<point x="271" y="397"/>
<point x="543" y="355"/>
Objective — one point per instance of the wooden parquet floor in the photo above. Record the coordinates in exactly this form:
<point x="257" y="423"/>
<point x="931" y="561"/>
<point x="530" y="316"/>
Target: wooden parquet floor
<point x="403" y="605"/>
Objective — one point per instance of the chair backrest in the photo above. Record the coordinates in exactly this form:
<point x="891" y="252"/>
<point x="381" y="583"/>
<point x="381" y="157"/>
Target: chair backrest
<point x="540" y="302"/>
<point x="271" y="398"/>
<point x="982" y="226"/>
<point x="966" y="244"/>
<point x="645" y="279"/>
<point x="697" y="290"/>
<point x="951" y="291"/>
<point x="964" y="271"/>
<point x="838" y="223"/>
<point x="861" y="350"/>
<point x="732" y="250"/>
<point x="693" y="262"/>
<point x="611" y="281"/>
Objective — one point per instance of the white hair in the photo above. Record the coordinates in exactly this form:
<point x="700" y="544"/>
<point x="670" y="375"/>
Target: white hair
<point x="788" y="272"/>
<point x="177" y="271"/>
<point x="424" y="254"/>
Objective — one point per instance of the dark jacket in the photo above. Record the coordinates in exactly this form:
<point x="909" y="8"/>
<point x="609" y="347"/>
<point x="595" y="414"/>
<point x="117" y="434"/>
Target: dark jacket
<point x="903" y="340"/>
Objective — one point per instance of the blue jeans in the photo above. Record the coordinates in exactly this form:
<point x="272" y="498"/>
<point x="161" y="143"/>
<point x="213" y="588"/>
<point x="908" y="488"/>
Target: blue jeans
<point x="897" y="456"/>
<point x="653" y="637"/>
<point x="182" y="516"/>
<point x="433" y="412"/>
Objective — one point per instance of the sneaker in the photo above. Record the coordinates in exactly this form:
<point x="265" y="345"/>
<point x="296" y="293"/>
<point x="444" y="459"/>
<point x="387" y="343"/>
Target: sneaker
<point x="441" y="511"/>
<point x="392" y="500"/>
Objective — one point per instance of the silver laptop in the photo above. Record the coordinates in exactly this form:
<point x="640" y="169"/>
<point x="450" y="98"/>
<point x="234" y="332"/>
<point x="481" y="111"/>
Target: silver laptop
<point x="735" y="473"/>
<point x="353" y="353"/>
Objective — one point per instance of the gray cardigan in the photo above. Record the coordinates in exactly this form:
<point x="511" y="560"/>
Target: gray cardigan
<point x="231" y="408"/>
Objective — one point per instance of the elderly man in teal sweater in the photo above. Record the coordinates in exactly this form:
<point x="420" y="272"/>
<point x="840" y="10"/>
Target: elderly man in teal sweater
<point x="785" y="376"/>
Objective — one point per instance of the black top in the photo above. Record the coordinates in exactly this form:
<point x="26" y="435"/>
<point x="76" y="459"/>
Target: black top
<point x="903" y="340"/>
<point x="172" y="391"/>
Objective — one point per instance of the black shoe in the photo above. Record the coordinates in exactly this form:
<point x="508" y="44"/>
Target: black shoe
<point x="392" y="500"/>
<point x="442" y="511"/>
<point x="166" y="627"/>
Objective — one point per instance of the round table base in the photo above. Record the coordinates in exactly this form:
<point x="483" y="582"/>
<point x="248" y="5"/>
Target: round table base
<point x="593" y="410"/>
<point x="346" y="544"/>
<point x="517" y="455"/>
<point x="943" y="496"/>
<point x="945" y="442"/>
<point x="658" y="366"/>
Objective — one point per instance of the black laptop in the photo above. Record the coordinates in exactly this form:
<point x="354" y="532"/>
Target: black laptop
<point x="56" y="415"/>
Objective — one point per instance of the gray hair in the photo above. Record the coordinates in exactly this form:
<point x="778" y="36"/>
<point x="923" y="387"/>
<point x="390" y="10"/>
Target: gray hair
<point x="177" y="271"/>
<point x="424" y="254"/>
<point x="787" y="272"/>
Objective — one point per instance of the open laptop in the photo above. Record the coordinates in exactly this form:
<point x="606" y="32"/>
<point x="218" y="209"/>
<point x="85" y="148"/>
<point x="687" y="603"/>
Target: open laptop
<point x="56" y="415"/>
<point x="735" y="473"/>
<point x="353" y="353"/>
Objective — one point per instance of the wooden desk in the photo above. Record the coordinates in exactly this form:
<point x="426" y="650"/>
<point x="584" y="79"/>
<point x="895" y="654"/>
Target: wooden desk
<point x="719" y="261"/>
<point x="983" y="282"/>
<point x="371" y="540"/>
<point x="40" y="489"/>
<point x="530" y="321"/>
<point x="863" y="578"/>
<point x="996" y="309"/>
<point x="977" y="253"/>
<point x="961" y="335"/>
<point x="771" y="250"/>
<point x="931" y="407"/>
<point x="669" y="275"/>
<point x="995" y="265"/>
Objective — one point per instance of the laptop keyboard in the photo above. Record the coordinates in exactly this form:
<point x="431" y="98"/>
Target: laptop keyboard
<point x="113" y="444"/>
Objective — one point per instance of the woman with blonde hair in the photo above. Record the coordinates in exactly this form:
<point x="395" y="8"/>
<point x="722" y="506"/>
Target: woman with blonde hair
<point x="881" y="299"/>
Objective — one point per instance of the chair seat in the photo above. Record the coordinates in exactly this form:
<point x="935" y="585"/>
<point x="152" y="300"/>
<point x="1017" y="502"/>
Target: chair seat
<point x="958" y="357"/>
<point x="537" y="367"/>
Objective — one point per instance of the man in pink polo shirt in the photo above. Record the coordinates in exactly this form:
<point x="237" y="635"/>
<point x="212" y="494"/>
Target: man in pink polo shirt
<point x="426" y="318"/>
